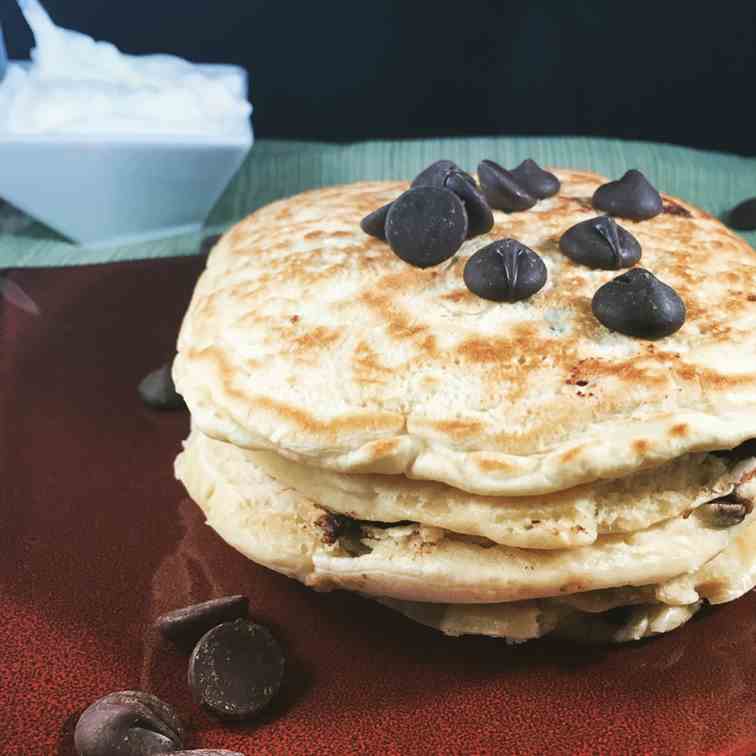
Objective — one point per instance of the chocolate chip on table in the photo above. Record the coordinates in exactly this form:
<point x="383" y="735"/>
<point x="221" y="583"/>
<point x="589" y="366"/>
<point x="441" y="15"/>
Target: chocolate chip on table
<point x="235" y="669"/>
<point x="426" y="225"/>
<point x="632" y="196"/>
<point x="600" y="243"/>
<point x="727" y="511"/>
<point x="128" y="723"/>
<point x="743" y="216"/>
<point x="333" y="526"/>
<point x="618" y="615"/>
<point x="505" y="271"/>
<point x="639" y="304"/>
<point x="536" y="182"/>
<point x="501" y="189"/>
<point x="158" y="390"/>
<point x="374" y="224"/>
<point x="190" y="623"/>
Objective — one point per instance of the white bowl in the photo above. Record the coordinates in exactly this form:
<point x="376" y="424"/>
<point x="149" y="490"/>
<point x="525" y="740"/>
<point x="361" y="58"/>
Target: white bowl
<point x="103" y="190"/>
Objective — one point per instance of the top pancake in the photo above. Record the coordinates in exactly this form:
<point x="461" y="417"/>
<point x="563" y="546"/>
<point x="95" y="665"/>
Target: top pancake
<point x="308" y="337"/>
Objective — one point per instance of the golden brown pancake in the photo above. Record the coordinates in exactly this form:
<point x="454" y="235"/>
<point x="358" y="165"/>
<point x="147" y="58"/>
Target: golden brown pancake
<point x="309" y="338"/>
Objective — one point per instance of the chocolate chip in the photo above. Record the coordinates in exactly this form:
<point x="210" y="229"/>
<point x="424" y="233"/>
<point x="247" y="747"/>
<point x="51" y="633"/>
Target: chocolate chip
<point x="333" y="527"/>
<point x="235" y="669"/>
<point x="158" y="391"/>
<point x="480" y="219"/>
<point x="501" y="189"/>
<point x="346" y="530"/>
<point x="374" y="224"/>
<point x="190" y="623"/>
<point x="600" y="243"/>
<point x="743" y="216"/>
<point x="727" y="511"/>
<point x="505" y="271"/>
<point x="426" y="226"/>
<point x="436" y="174"/>
<point x="639" y="304"/>
<point x="536" y="182"/>
<point x="632" y="196"/>
<point x="128" y="723"/>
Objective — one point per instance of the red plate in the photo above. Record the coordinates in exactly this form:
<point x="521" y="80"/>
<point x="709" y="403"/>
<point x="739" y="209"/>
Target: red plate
<point x="97" y="539"/>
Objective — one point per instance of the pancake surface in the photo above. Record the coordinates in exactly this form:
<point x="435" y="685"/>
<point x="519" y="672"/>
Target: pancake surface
<point x="311" y="339"/>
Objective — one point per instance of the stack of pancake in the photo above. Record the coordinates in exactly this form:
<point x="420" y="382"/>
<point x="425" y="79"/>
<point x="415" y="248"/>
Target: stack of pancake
<point x="507" y="469"/>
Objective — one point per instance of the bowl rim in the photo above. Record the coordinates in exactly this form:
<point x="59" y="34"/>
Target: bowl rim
<point x="167" y="139"/>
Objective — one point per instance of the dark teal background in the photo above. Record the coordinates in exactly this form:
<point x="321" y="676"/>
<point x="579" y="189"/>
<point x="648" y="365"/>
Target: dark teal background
<point x="363" y="69"/>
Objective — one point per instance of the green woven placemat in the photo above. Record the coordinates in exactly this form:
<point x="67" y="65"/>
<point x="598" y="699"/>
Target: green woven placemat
<point x="276" y="169"/>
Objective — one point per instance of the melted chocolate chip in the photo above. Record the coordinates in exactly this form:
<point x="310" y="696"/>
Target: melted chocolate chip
<point x="190" y="623"/>
<point x="235" y="669"/>
<point x="426" y="225"/>
<point x="479" y="216"/>
<point x="727" y="511"/>
<point x="501" y="189"/>
<point x="334" y="526"/>
<point x="743" y="216"/>
<point x="632" y="197"/>
<point x="536" y="182"/>
<point x="639" y="304"/>
<point x="158" y="391"/>
<point x="128" y="723"/>
<point x="505" y="271"/>
<point x="374" y="224"/>
<point x="600" y="243"/>
<point x="437" y="174"/>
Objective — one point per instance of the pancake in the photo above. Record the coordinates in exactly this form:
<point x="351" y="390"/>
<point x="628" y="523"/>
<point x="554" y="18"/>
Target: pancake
<point x="276" y="526"/>
<point x="588" y="617"/>
<point x="521" y="621"/>
<point x="575" y="517"/>
<point x="309" y="338"/>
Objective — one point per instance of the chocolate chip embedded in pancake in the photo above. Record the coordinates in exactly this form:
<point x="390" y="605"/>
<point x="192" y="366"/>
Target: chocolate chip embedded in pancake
<point x="189" y="623"/>
<point x="128" y="722"/>
<point x="742" y="451"/>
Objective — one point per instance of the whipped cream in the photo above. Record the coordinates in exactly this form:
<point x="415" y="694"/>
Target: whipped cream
<point x="76" y="85"/>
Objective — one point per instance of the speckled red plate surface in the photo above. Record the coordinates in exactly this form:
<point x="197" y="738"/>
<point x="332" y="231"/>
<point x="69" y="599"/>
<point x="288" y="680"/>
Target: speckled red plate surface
<point x="97" y="539"/>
